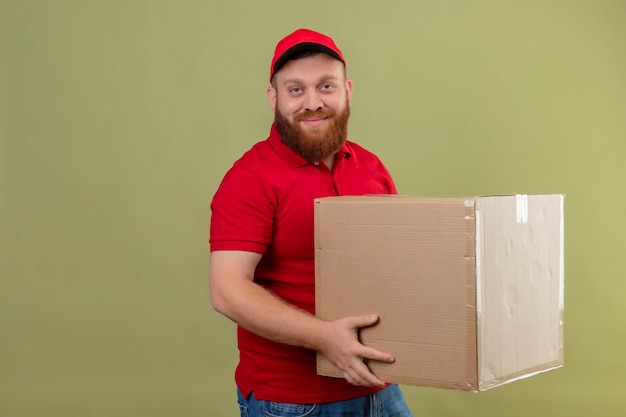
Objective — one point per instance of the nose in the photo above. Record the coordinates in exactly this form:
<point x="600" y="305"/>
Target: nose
<point x="312" y="100"/>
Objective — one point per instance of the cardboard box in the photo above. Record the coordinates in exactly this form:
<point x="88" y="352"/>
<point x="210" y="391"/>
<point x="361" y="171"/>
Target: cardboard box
<point x="469" y="290"/>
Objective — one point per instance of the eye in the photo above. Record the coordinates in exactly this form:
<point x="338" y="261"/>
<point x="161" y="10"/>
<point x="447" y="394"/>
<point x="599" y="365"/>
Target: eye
<point x="327" y="87"/>
<point x="295" y="90"/>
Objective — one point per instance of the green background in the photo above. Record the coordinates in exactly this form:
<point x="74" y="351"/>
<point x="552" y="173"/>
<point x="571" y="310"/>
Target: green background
<point x="119" y="118"/>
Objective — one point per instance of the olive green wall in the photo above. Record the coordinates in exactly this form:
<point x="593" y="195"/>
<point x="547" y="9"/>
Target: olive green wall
<point x="119" y="118"/>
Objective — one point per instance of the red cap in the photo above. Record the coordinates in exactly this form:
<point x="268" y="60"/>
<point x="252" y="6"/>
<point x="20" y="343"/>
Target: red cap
<point x="303" y="40"/>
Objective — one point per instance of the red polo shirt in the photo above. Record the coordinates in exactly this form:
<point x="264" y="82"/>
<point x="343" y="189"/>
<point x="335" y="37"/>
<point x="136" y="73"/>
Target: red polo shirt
<point x="265" y="205"/>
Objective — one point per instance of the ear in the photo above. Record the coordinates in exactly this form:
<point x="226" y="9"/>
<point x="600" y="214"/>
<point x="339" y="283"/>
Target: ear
<point x="271" y="97"/>
<point x="349" y="90"/>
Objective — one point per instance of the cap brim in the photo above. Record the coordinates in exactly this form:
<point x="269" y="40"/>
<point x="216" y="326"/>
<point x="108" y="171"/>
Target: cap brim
<point x="303" y="47"/>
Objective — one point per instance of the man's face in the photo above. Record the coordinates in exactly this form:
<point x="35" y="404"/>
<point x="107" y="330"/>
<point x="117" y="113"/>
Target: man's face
<point x="311" y="101"/>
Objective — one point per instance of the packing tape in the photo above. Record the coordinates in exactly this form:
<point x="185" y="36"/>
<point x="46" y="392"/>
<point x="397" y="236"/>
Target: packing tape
<point x="479" y="265"/>
<point x="521" y="204"/>
<point x="562" y="260"/>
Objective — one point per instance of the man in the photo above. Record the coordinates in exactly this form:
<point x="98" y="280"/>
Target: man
<point x="262" y="270"/>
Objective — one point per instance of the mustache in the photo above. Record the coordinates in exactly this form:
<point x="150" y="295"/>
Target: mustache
<point x="314" y="114"/>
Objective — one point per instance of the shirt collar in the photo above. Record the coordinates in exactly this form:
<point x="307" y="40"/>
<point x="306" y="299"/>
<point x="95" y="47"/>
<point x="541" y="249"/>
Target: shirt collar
<point x="291" y="157"/>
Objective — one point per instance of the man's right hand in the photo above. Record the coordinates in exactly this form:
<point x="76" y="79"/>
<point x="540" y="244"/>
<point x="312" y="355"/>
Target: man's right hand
<point x="235" y="294"/>
<point x="340" y="344"/>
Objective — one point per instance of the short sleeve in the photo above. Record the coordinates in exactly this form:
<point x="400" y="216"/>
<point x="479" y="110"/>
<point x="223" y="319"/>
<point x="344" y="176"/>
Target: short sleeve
<point x="242" y="214"/>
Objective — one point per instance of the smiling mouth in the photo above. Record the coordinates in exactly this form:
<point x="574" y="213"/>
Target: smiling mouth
<point x="315" y="121"/>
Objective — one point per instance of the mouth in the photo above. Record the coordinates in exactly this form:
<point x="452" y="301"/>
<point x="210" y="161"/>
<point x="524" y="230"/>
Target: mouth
<point x="314" y="121"/>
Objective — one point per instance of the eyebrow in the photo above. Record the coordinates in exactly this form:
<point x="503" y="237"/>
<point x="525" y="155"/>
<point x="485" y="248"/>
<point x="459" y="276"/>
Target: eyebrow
<point x="322" y="79"/>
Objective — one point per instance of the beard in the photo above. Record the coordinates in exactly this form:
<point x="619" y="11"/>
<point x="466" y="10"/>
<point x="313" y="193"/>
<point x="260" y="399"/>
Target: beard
<point x="319" y="143"/>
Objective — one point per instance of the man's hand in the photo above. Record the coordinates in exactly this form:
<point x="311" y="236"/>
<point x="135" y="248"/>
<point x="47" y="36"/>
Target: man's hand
<point x="341" y="346"/>
<point x="235" y="294"/>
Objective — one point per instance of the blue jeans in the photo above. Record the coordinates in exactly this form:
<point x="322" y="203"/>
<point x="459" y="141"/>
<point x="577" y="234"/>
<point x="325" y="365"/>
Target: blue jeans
<point x="386" y="403"/>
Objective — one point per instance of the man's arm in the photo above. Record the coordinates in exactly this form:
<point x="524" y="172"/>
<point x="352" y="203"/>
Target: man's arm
<point x="235" y="295"/>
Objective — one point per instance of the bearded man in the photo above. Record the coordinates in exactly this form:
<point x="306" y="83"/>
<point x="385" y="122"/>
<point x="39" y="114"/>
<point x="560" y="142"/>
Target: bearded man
<point x="262" y="269"/>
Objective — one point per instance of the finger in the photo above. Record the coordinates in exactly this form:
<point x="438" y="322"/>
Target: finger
<point x="361" y="375"/>
<point x="376" y="355"/>
<point x="363" y="321"/>
<point x="358" y="373"/>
